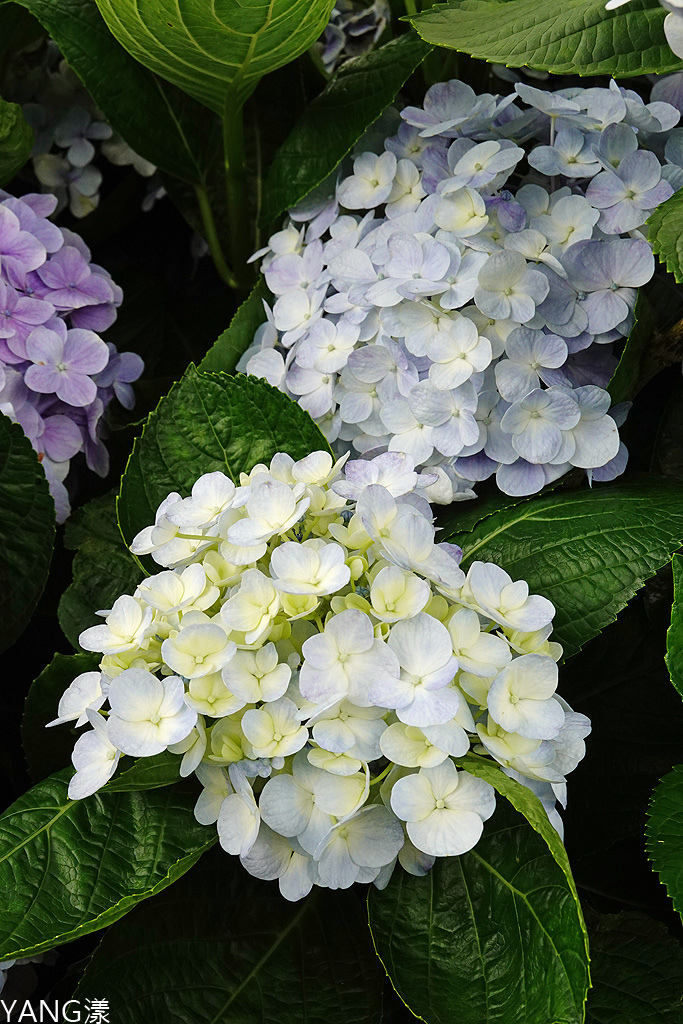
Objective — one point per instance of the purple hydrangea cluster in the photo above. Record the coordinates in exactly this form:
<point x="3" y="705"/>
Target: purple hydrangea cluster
<point x="457" y="297"/>
<point x="354" y="28"/>
<point x="57" y="376"/>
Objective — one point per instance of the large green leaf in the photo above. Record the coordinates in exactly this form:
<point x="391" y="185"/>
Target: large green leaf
<point x="48" y="750"/>
<point x="335" y="120"/>
<point x="225" y="353"/>
<point x="608" y="681"/>
<point x="665" y="234"/>
<point x="525" y="802"/>
<point x="209" y="422"/>
<point x="567" y="37"/>
<point x="665" y="834"/>
<point x="588" y="551"/>
<point x="27" y="531"/>
<point x="674" y="637"/>
<point x="16" y="140"/>
<point x="492" y="937"/>
<point x="103" y="568"/>
<point x="636" y="969"/>
<point x="68" y="867"/>
<point x="216" y="51"/>
<point x="145" y="773"/>
<point x="221" y="947"/>
<point x="157" y="120"/>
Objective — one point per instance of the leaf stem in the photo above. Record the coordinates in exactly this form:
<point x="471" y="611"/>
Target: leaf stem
<point x="235" y="166"/>
<point x="212" y="238"/>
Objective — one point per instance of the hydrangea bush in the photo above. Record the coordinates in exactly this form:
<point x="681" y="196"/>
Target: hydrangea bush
<point x="319" y="660"/>
<point x="282" y="649"/>
<point x="57" y="376"/>
<point x="459" y="296"/>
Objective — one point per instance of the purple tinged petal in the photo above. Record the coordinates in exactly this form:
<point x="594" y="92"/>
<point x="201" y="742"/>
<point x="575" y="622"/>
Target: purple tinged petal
<point x="61" y="438"/>
<point x="76" y="389"/>
<point x="45" y="346"/>
<point x="42" y="378"/>
<point x="84" y="352"/>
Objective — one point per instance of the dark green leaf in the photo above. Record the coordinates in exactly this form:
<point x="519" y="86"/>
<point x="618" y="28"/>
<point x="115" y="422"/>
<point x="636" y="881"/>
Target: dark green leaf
<point x="215" y="51"/>
<point x="615" y="675"/>
<point x="17" y="29"/>
<point x="674" y="637"/>
<point x="27" y="531"/>
<point x="492" y="937"/>
<point x="209" y="422"/>
<point x="48" y="750"/>
<point x="225" y="353"/>
<point x="335" y="120"/>
<point x="16" y="140"/>
<point x="145" y="773"/>
<point x="665" y="834"/>
<point x="68" y="867"/>
<point x="588" y="551"/>
<point x="157" y="120"/>
<point x="665" y="234"/>
<point x="221" y="947"/>
<point x="636" y="969"/>
<point x="626" y="379"/>
<point x="103" y="568"/>
<point x="567" y="37"/>
<point x="526" y="803"/>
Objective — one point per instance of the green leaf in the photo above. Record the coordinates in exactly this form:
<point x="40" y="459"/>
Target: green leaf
<point x="145" y="773"/>
<point x="157" y="120"/>
<point x="665" y="834"/>
<point x="674" y="636"/>
<point x="636" y="969"/>
<point x="16" y="140"/>
<point x="209" y="422"/>
<point x="103" y="568"/>
<point x="626" y="379"/>
<point x="665" y="234"/>
<point x="525" y="802"/>
<point x="69" y="867"/>
<point x="335" y="120"/>
<point x="221" y="947"/>
<point x="492" y="937"/>
<point x="567" y="37"/>
<point x="48" y="750"/>
<point x="225" y="353"/>
<point x="27" y="531"/>
<point x="588" y="551"/>
<point x="605" y="681"/>
<point x="215" y="52"/>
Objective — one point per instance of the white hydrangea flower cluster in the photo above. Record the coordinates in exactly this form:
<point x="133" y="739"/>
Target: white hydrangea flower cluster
<point x="318" y="661"/>
<point x="458" y="296"/>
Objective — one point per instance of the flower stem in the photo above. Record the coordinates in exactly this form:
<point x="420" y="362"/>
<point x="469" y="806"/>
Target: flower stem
<point x="235" y="166"/>
<point x="212" y="239"/>
<point x="378" y="778"/>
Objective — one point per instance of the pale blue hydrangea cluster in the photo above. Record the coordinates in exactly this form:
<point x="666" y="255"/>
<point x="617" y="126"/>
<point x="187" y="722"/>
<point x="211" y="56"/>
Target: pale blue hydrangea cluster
<point x="323" y="666"/>
<point x="57" y="375"/>
<point x="70" y="133"/>
<point x="458" y="296"/>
